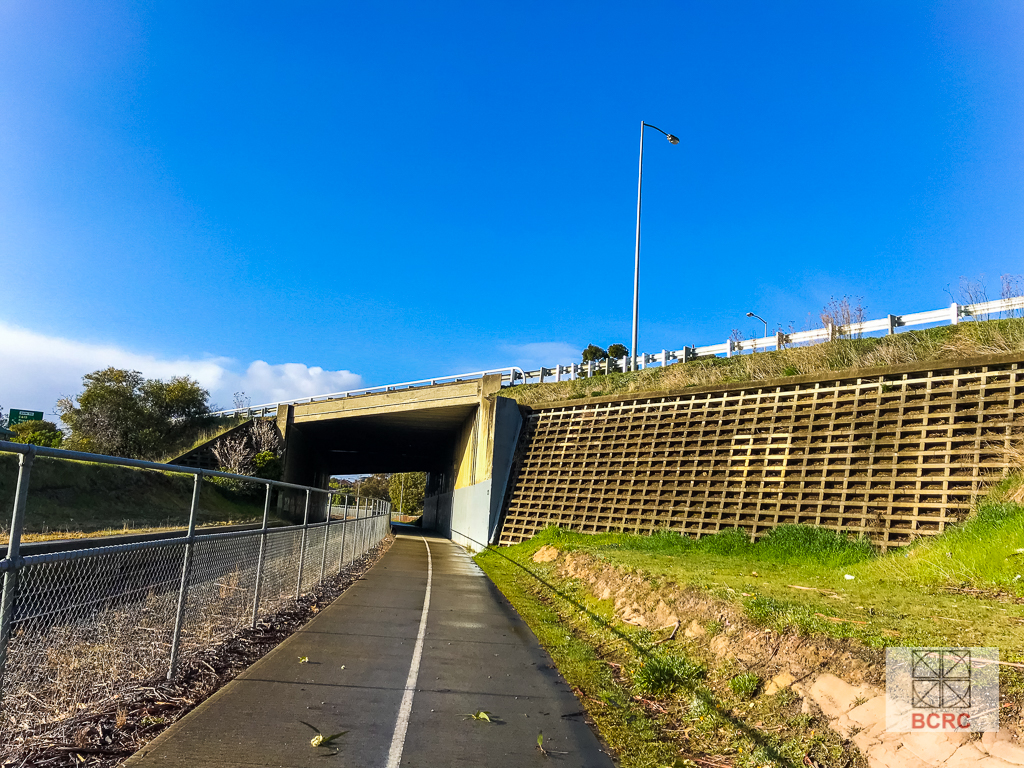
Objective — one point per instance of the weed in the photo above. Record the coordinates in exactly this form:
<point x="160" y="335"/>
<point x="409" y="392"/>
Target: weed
<point x="659" y="674"/>
<point x="745" y="685"/>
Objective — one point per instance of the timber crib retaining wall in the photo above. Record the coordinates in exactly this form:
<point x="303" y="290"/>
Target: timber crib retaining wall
<point x="890" y="453"/>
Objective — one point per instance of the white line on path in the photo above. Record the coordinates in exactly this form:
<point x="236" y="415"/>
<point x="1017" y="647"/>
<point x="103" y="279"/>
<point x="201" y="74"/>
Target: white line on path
<point x="398" y="740"/>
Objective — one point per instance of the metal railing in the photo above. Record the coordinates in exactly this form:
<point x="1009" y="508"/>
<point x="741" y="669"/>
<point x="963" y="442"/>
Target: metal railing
<point x="509" y="374"/>
<point x="77" y="625"/>
<point x="951" y="314"/>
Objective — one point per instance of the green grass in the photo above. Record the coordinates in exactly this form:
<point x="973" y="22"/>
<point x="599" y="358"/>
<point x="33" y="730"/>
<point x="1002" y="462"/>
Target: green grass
<point x="74" y="498"/>
<point x="781" y="584"/>
<point x="572" y="637"/>
<point x="655" y="705"/>
<point x="196" y="436"/>
<point x="745" y="685"/>
<point x="660" y="703"/>
<point x="986" y="552"/>
<point x="659" y="674"/>
<point x="953" y="342"/>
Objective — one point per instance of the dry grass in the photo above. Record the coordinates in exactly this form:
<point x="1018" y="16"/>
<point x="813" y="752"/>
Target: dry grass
<point x="966" y="340"/>
<point x="101" y="724"/>
<point x="129" y="528"/>
<point x="89" y="630"/>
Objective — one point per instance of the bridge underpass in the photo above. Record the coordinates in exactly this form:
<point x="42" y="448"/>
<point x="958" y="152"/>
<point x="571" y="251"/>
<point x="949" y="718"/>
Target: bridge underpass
<point x="462" y="434"/>
<point x="424" y="637"/>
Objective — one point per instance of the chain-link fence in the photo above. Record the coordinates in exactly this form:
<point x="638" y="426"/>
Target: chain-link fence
<point x="77" y="625"/>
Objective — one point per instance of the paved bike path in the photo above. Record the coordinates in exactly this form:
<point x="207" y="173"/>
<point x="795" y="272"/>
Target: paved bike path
<point x="475" y="653"/>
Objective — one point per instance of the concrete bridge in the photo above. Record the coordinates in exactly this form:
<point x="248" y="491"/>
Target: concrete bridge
<point x="461" y="433"/>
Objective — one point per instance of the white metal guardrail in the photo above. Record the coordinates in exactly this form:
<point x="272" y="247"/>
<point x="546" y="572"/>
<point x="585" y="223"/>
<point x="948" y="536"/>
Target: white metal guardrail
<point x="512" y="375"/>
<point x="509" y="374"/>
<point x="77" y="625"/>
<point x="952" y="314"/>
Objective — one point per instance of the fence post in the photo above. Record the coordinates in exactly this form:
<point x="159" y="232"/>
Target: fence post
<point x="10" y="592"/>
<point x="344" y="527"/>
<point x="367" y="511"/>
<point x="186" y="574"/>
<point x="259" y="560"/>
<point x="370" y="509"/>
<point x="302" y="547"/>
<point x="355" y="532"/>
<point x="327" y="536"/>
<point x="954" y="313"/>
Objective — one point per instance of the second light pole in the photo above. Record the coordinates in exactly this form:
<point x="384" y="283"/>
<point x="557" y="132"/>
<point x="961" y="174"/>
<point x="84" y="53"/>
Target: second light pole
<point x="636" y="262"/>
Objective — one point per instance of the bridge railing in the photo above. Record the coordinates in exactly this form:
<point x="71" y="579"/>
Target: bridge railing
<point x="509" y="375"/>
<point x="513" y="375"/>
<point x="889" y="324"/>
<point x="79" y="626"/>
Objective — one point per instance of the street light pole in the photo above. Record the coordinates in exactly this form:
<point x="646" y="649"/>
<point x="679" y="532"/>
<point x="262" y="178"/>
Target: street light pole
<point x="636" y="259"/>
<point x="751" y="314"/>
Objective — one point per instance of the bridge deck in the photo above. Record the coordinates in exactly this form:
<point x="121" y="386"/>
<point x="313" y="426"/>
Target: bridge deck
<point x="476" y="654"/>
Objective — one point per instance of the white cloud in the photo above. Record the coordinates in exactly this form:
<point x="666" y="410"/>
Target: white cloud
<point x="542" y="353"/>
<point x="35" y="370"/>
<point x="293" y="380"/>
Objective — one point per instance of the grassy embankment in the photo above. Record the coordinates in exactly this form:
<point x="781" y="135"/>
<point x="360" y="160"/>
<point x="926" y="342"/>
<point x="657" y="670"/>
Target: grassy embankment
<point x="69" y="499"/>
<point x="657" y="702"/>
<point x="952" y="342"/>
<point x="194" y="437"/>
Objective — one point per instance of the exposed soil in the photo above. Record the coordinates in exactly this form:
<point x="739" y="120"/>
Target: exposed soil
<point x="644" y="603"/>
<point x="838" y="679"/>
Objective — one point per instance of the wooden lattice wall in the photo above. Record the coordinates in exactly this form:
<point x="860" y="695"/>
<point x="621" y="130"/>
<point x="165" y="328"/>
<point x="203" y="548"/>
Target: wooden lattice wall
<point x="894" y="453"/>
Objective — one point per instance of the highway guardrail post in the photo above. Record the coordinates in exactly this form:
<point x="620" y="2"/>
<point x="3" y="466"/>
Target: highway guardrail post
<point x="12" y="562"/>
<point x="186" y="574"/>
<point x="259" y="560"/>
<point x="302" y="547"/>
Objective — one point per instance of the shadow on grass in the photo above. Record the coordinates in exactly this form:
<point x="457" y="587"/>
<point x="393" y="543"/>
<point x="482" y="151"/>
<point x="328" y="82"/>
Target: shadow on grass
<point x="697" y="692"/>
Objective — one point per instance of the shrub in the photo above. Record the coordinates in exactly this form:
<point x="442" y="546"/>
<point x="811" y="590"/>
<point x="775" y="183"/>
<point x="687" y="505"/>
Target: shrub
<point x="41" y="433"/>
<point x="267" y="465"/>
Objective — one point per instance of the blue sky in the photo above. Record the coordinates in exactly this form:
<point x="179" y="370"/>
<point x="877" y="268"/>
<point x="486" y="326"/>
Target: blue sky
<point x="371" y="193"/>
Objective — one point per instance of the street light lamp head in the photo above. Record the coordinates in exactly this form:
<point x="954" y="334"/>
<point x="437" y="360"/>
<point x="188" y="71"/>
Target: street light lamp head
<point x="672" y="139"/>
<point x="750" y="314"/>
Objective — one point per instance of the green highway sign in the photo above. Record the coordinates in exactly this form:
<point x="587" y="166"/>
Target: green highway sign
<point x="17" y="416"/>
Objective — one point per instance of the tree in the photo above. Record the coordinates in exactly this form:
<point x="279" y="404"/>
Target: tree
<point x="407" y="490"/>
<point x="375" y="487"/>
<point x="594" y="353"/>
<point x="122" y="414"/>
<point x="618" y="351"/>
<point x="42" y="433"/>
